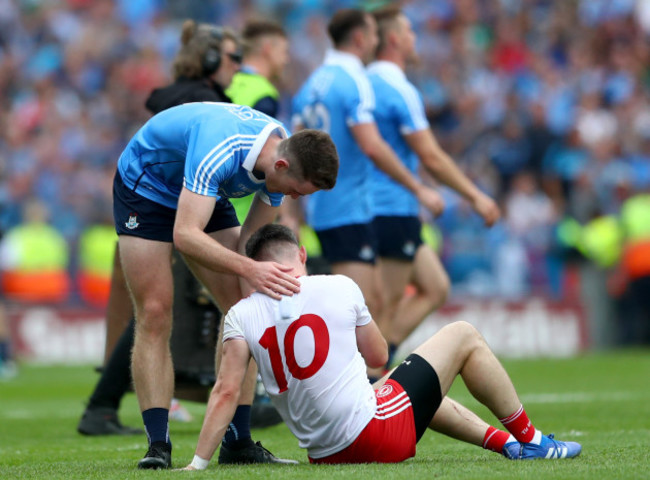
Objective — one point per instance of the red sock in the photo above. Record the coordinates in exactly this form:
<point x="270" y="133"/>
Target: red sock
<point x="495" y="439"/>
<point x="519" y="425"/>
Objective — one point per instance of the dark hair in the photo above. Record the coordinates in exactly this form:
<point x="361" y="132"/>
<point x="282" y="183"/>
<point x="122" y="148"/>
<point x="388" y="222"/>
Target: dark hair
<point x="312" y="156"/>
<point x="385" y="18"/>
<point x="200" y="47"/>
<point x="344" y="22"/>
<point x="268" y="236"/>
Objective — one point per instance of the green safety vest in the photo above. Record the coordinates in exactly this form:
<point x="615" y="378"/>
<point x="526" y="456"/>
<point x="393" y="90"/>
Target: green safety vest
<point x="635" y="217"/>
<point x="248" y="89"/>
<point x="97" y="249"/>
<point x="601" y="240"/>
<point x="36" y="247"/>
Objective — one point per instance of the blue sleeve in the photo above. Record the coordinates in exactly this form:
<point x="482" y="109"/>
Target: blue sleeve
<point x="359" y="101"/>
<point x="211" y="158"/>
<point x="272" y="199"/>
<point x="409" y="110"/>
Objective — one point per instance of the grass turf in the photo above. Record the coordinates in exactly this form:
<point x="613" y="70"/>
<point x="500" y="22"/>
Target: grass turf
<point x="601" y="400"/>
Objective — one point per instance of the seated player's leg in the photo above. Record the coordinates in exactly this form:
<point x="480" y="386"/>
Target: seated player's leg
<point x="459" y="348"/>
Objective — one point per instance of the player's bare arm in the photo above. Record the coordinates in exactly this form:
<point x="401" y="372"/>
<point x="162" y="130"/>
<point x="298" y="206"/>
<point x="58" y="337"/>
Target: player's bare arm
<point x="372" y="345"/>
<point x="445" y="170"/>
<point x="192" y="216"/>
<point x="222" y="402"/>
<point x="373" y="145"/>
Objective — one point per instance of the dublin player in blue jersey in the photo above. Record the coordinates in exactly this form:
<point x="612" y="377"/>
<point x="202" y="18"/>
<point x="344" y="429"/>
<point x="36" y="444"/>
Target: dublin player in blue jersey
<point x="337" y="98"/>
<point x="403" y="258"/>
<point x="172" y="184"/>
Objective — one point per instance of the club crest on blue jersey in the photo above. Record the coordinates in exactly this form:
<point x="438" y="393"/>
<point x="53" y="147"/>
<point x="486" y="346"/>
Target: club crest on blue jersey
<point x="133" y="222"/>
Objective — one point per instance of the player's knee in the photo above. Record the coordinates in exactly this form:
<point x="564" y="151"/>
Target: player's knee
<point x="465" y="333"/>
<point x="154" y="318"/>
<point x="437" y="292"/>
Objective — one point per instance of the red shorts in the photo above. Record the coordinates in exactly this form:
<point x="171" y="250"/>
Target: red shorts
<point x="390" y="435"/>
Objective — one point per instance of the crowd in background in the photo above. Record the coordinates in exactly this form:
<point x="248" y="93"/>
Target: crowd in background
<point x="543" y="103"/>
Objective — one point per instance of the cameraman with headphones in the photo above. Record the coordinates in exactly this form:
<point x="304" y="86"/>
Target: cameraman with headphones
<point x="203" y="68"/>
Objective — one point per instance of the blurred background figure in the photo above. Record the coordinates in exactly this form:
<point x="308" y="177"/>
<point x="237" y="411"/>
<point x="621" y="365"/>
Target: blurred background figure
<point x="565" y="84"/>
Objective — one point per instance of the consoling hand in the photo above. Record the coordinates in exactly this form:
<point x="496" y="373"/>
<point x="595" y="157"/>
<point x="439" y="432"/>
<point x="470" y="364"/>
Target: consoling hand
<point x="272" y="279"/>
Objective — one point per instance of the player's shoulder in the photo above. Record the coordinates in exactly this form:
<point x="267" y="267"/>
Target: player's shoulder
<point x="334" y="283"/>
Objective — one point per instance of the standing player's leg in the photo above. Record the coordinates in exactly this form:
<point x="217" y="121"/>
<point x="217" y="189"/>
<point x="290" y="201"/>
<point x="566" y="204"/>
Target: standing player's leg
<point x="119" y="310"/>
<point x="431" y="284"/>
<point x="147" y="269"/>
<point x="459" y="348"/>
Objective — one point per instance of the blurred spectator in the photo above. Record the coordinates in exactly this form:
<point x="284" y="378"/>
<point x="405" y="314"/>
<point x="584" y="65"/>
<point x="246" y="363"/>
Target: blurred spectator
<point x="556" y="88"/>
<point x="34" y="259"/>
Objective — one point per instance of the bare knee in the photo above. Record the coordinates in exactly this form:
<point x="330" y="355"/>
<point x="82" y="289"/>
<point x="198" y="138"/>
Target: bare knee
<point x="465" y="334"/>
<point x="436" y="293"/>
<point x="154" y="319"/>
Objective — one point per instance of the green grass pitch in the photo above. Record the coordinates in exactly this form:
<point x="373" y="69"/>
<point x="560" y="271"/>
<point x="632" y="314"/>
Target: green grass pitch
<point x="601" y="400"/>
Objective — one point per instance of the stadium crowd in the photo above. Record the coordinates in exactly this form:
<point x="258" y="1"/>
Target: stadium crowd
<point x="543" y="104"/>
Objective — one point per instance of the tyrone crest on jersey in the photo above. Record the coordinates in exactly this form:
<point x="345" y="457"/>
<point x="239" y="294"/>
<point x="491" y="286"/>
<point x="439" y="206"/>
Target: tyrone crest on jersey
<point x="133" y="221"/>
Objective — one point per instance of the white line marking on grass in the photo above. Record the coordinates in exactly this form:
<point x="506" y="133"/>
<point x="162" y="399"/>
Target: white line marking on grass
<point x="580" y="397"/>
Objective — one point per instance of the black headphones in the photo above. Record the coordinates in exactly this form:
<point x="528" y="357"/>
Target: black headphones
<point x="212" y="56"/>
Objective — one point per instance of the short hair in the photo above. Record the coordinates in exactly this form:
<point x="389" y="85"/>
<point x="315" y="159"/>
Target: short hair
<point x="385" y="18"/>
<point x="196" y="39"/>
<point x="260" y="28"/>
<point x="312" y="156"/>
<point x="266" y="241"/>
<point x="344" y="22"/>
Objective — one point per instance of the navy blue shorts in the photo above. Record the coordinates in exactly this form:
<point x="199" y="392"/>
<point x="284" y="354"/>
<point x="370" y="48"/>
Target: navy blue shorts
<point x="398" y="238"/>
<point x="138" y="216"/>
<point x="350" y="243"/>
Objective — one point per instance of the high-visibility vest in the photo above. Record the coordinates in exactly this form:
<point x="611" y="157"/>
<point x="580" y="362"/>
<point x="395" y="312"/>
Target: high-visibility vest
<point x="602" y="240"/>
<point x="96" y="251"/>
<point x="35" y="260"/>
<point x="635" y="219"/>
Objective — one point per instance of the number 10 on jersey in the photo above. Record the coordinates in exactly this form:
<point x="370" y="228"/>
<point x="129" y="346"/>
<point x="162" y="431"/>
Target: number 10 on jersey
<point x="269" y="341"/>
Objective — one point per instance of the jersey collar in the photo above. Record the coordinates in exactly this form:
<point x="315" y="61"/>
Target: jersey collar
<point x="253" y="153"/>
<point x="390" y="69"/>
<point x="344" y="59"/>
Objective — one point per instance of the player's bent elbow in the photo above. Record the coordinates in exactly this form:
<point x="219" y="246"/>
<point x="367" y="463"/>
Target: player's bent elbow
<point x="377" y="359"/>
<point x="227" y="392"/>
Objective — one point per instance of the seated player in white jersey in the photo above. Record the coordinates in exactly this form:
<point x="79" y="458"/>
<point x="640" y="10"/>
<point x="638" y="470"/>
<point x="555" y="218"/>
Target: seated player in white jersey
<point x="312" y="349"/>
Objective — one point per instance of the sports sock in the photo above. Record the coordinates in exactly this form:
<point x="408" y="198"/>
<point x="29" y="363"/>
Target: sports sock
<point x="115" y="379"/>
<point x="239" y="429"/>
<point x="521" y="427"/>
<point x="156" y="424"/>
<point x="495" y="439"/>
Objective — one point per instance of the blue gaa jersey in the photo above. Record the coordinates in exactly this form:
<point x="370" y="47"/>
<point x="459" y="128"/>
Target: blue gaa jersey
<point x="336" y="97"/>
<point x="399" y="111"/>
<point x="210" y="148"/>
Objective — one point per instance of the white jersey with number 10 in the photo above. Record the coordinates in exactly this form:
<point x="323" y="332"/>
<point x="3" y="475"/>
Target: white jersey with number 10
<point x="306" y="350"/>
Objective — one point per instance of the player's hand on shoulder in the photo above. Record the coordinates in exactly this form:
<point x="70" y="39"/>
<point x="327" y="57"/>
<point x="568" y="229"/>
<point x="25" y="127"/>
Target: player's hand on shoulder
<point x="487" y="208"/>
<point x="272" y="279"/>
<point x="431" y="200"/>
